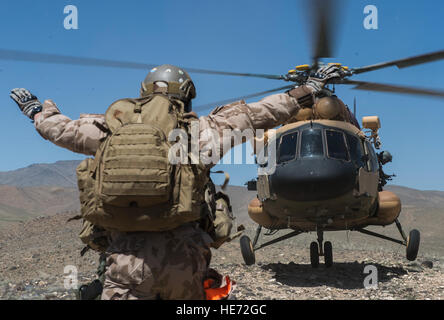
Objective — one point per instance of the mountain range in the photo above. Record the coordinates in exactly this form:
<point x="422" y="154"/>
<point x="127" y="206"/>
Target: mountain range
<point x="48" y="189"/>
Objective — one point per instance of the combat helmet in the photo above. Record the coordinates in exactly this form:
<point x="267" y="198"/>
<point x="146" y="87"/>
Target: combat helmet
<point x="170" y="80"/>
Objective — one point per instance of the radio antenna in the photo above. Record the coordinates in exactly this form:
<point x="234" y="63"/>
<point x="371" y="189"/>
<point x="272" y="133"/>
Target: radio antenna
<point x="354" y="107"/>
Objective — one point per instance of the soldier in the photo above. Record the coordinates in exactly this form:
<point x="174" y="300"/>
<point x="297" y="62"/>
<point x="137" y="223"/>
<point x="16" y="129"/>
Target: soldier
<point x="171" y="264"/>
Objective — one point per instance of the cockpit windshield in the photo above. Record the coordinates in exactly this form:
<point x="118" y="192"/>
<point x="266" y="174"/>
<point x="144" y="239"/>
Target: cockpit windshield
<point x="356" y="151"/>
<point x="288" y="147"/>
<point x="336" y="146"/>
<point x="323" y="142"/>
<point x="373" y="159"/>
<point x="311" y="143"/>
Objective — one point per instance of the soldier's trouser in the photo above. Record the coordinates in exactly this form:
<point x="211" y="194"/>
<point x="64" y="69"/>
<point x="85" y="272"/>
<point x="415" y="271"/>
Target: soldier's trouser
<point x="158" y="265"/>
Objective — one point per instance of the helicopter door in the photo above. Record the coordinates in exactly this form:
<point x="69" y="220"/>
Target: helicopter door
<point x="369" y="179"/>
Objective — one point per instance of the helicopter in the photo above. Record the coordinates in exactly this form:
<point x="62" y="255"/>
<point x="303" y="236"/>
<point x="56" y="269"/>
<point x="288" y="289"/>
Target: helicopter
<point x="328" y="175"/>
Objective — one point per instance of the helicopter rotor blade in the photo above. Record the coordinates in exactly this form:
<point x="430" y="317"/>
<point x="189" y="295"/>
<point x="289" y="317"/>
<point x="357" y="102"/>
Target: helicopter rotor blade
<point x="380" y="87"/>
<point x="403" y="63"/>
<point x="226" y="101"/>
<point x="323" y="25"/>
<point x="237" y="74"/>
<point x="15" y="55"/>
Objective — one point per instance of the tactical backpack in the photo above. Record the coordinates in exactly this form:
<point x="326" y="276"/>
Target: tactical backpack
<point x="131" y="185"/>
<point x="219" y="219"/>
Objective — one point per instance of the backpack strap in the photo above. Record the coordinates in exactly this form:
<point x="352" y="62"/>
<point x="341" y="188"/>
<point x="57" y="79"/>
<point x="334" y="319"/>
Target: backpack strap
<point x="138" y="107"/>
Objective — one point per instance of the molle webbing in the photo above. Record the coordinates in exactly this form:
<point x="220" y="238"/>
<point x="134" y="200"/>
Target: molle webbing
<point x="131" y="185"/>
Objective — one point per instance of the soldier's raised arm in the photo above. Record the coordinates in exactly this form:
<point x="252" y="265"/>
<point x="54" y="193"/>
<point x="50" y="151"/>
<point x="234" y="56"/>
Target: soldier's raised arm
<point x="83" y="135"/>
<point x="266" y="114"/>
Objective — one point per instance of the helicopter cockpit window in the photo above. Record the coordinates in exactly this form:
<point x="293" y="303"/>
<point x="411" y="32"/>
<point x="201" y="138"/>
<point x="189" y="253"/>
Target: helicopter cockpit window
<point x="357" y="153"/>
<point x="336" y="146"/>
<point x="372" y="158"/>
<point x="311" y="143"/>
<point x="288" y="147"/>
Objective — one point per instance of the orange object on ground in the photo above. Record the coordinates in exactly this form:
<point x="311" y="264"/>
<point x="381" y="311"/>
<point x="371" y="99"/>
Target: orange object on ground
<point x="218" y="293"/>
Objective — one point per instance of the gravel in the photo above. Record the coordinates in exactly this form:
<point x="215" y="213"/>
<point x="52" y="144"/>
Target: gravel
<point x="37" y="257"/>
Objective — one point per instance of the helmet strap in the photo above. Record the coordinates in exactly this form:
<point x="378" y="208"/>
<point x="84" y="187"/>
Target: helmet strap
<point x="181" y="91"/>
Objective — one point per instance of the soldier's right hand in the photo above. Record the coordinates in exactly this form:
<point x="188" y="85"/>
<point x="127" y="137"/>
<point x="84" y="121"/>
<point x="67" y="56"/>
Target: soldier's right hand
<point x="26" y="101"/>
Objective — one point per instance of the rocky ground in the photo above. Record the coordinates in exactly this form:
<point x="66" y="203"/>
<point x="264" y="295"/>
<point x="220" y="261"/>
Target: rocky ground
<point x="34" y="255"/>
<point x="287" y="274"/>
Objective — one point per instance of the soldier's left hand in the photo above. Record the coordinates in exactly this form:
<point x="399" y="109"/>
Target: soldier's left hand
<point x="320" y="78"/>
<point x="26" y="101"/>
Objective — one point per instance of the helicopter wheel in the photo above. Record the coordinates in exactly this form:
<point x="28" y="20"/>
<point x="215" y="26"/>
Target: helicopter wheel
<point x="328" y="254"/>
<point x="413" y="245"/>
<point x="314" y="254"/>
<point x="247" y="251"/>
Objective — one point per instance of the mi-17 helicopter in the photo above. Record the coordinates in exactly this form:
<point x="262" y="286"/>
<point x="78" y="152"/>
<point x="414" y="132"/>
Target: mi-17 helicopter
<point x="328" y="175"/>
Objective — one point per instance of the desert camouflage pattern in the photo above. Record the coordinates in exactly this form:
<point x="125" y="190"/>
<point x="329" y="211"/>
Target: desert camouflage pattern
<point x="168" y="265"/>
<point x="81" y="136"/>
<point x="266" y="114"/>
<point x="85" y="134"/>
<point x="162" y="265"/>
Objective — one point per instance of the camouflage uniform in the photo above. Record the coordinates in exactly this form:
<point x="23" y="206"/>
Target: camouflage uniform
<point x="158" y="265"/>
<point x="173" y="264"/>
<point x="85" y="134"/>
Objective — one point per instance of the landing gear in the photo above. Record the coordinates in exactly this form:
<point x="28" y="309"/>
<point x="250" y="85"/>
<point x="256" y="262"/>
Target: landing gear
<point x="413" y="245"/>
<point x="247" y="251"/>
<point x="321" y="249"/>
<point x="328" y="254"/>
<point x="411" y="242"/>
<point x="314" y="254"/>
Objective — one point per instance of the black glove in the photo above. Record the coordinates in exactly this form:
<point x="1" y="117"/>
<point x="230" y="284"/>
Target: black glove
<point x="27" y="102"/>
<point x="323" y="75"/>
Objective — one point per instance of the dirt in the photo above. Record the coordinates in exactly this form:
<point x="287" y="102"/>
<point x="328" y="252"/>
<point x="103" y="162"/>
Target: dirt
<point x="34" y="256"/>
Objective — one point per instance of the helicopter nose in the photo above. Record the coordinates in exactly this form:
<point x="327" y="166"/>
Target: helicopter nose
<point x="313" y="179"/>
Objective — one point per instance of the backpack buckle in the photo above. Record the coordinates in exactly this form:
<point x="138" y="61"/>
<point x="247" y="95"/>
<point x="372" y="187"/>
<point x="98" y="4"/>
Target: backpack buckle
<point x="138" y="107"/>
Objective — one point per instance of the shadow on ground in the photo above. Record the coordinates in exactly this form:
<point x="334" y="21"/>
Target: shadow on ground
<point x="340" y="275"/>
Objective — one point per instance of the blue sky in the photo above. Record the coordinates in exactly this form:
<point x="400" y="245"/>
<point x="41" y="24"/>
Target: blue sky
<point x="246" y="36"/>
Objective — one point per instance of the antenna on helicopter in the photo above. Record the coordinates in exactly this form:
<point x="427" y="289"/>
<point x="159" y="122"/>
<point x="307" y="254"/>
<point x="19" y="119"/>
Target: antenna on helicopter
<point x="354" y="106"/>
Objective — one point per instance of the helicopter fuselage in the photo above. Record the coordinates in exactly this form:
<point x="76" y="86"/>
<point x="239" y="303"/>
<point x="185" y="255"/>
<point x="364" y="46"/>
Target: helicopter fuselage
<point x="326" y="177"/>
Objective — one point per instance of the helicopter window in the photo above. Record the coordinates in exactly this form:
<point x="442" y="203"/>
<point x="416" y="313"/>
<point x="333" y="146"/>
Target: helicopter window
<point x="336" y="145"/>
<point x="356" y="151"/>
<point x="288" y="147"/>
<point x="373" y="160"/>
<point x="311" y="143"/>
